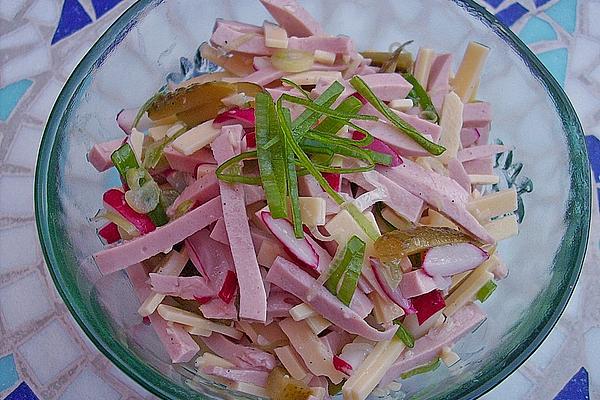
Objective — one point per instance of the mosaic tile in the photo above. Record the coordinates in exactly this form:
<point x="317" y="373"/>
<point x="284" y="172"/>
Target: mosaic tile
<point x="8" y="372"/>
<point x="10" y="8"/>
<point x="23" y="150"/>
<point x="511" y="14"/>
<point x="539" y="3"/>
<point x="556" y="62"/>
<point x="494" y="3"/>
<point x="26" y="65"/>
<point x="41" y="355"/>
<point x="88" y="385"/>
<point x="23" y="36"/>
<point x="551" y="346"/>
<point x="22" y="392"/>
<point x="592" y="23"/>
<point x="593" y="146"/>
<point x="20" y="202"/>
<point x="22" y="236"/>
<point x="44" y="12"/>
<point x="577" y="388"/>
<point x="591" y="340"/>
<point x="101" y="7"/>
<point x="73" y="17"/>
<point x="564" y="13"/>
<point x="537" y="30"/>
<point x="41" y="105"/>
<point x="10" y="96"/>
<point x="514" y="387"/>
<point x="12" y="296"/>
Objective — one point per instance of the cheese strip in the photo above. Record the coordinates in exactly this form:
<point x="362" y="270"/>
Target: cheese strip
<point x="438" y="220"/>
<point x="302" y="311"/>
<point x="394" y="219"/>
<point x="136" y="142"/>
<point x="484" y="179"/>
<point x="196" y="138"/>
<point x="372" y="369"/>
<point x="384" y="311"/>
<point x="250" y="389"/>
<point x="451" y="122"/>
<point x="503" y="228"/>
<point x="312" y="77"/>
<point x="196" y="331"/>
<point x="158" y="132"/>
<point x="493" y="205"/>
<point x="401" y="104"/>
<point x="183" y="317"/>
<point x="291" y="361"/>
<point x="312" y="210"/>
<point x="467" y="77"/>
<point x="317" y="323"/>
<point x="173" y="266"/>
<point x="423" y="63"/>
<point x="275" y="36"/>
<point x="467" y="290"/>
<point x="210" y="359"/>
<point x="324" y="57"/>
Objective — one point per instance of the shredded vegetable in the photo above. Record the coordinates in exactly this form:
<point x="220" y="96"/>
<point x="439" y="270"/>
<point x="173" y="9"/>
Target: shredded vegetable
<point x="486" y="291"/>
<point x="404" y="335"/>
<point x="429" y="367"/>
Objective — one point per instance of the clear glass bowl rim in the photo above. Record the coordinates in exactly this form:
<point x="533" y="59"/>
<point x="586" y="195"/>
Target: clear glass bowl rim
<point x="165" y="388"/>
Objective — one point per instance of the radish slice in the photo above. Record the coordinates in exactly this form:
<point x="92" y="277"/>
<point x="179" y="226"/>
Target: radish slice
<point x="453" y="259"/>
<point x="334" y="180"/>
<point x="428" y="304"/>
<point x="341" y="365"/>
<point x="114" y="200"/>
<point x="110" y="233"/>
<point x="355" y="353"/>
<point x="229" y="287"/>
<point x="203" y="300"/>
<point x="380" y="147"/>
<point x="251" y="140"/>
<point x="284" y="232"/>
<point x="393" y="294"/>
<point x="243" y="116"/>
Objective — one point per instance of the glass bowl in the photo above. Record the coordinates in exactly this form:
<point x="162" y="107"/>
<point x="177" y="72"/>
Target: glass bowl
<point x="532" y="115"/>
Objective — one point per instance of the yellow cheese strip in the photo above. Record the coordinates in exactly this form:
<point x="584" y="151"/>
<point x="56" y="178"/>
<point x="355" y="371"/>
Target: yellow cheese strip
<point x="423" y="63"/>
<point x="312" y="210"/>
<point x="312" y="77"/>
<point x="457" y="279"/>
<point x="384" y="310"/>
<point x="136" y="141"/>
<point x="174" y="314"/>
<point x="438" y="220"/>
<point x="172" y="266"/>
<point x="175" y="128"/>
<point x="469" y="72"/>
<point x="342" y="227"/>
<point x="196" y="331"/>
<point x="503" y="228"/>
<point x="196" y="138"/>
<point x="467" y="290"/>
<point x="302" y="311"/>
<point x="401" y="104"/>
<point x="158" y="132"/>
<point x="370" y="372"/>
<point x="449" y="357"/>
<point x="451" y="122"/>
<point x="324" y="57"/>
<point x="290" y="361"/>
<point x="484" y="179"/>
<point x="317" y="323"/>
<point x="210" y="359"/>
<point x="250" y="389"/>
<point x="493" y="205"/>
<point x="275" y="36"/>
<point x="394" y="219"/>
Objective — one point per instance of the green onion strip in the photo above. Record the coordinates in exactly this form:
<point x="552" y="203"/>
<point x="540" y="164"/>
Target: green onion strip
<point x="344" y="275"/>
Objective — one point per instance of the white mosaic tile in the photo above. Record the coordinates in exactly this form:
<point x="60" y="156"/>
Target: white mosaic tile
<point x="23" y="36"/>
<point x="14" y="295"/>
<point x="41" y="106"/>
<point x="50" y="352"/>
<point x="595" y="75"/>
<point x="583" y="55"/>
<point x="592" y="15"/>
<point x="10" y="8"/>
<point x="44" y="12"/>
<point x="584" y="102"/>
<point x="592" y="341"/>
<point x="19" y="237"/>
<point x="24" y="148"/>
<point x="20" y="201"/>
<point x="76" y="53"/>
<point x="89" y="386"/>
<point x="546" y="352"/>
<point x="120" y="375"/>
<point x="26" y="65"/>
<point x="515" y="387"/>
<point x="572" y="309"/>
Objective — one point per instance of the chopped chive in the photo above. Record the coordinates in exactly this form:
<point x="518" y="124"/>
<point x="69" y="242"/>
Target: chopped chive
<point x="292" y="183"/>
<point x="419" y="94"/>
<point x="297" y="87"/>
<point x="344" y="275"/>
<point x="486" y="291"/>
<point x="350" y="105"/>
<point x="236" y="177"/>
<point x="403" y="334"/>
<point x="158" y="215"/>
<point x="362" y="88"/>
<point x="145" y="107"/>
<point x="123" y="159"/>
<point x="311" y="105"/>
<point x="154" y="152"/>
<point x="432" y="366"/>
<point x="308" y="117"/>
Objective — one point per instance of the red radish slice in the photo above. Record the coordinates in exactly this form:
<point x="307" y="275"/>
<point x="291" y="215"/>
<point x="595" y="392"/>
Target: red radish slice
<point x="428" y="304"/>
<point x="342" y="366"/>
<point x="146" y="320"/>
<point x="114" y="200"/>
<point x="453" y="259"/>
<point x="359" y="97"/>
<point x="203" y="300"/>
<point x="355" y="353"/>
<point x="229" y="287"/>
<point x="110" y="233"/>
<point x="251" y="139"/>
<point x="283" y="230"/>
<point x="380" y="147"/>
<point x="394" y="294"/>
<point x="243" y="116"/>
<point x="334" y="180"/>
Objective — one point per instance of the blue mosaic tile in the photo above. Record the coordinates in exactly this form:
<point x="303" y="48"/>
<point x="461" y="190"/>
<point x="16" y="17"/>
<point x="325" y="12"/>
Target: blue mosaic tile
<point x="8" y="372"/>
<point x="565" y="14"/>
<point x="539" y="3"/>
<point x="101" y="7"/>
<point x="22" y="392"/>
<point x="494" y="3"/>
<point x="72" y="18"/>
<point x="512" y="13"/>
<point x="556" y="62"/>
<point x="593" y="148"/>
<point x="578" y="388"/>
<point x="537" y="30"/>
<point x="11" y="95"/>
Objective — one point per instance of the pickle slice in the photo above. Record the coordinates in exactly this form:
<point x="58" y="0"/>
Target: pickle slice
<point x="281" y="386"/>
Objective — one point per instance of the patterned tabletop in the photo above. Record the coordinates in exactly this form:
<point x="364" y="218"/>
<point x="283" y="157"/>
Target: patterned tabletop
<point x="41" y="41"/>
